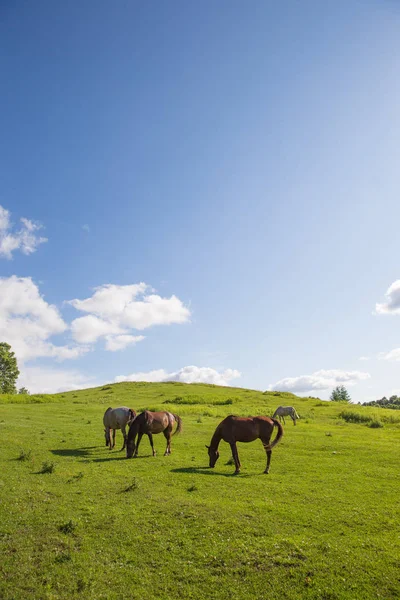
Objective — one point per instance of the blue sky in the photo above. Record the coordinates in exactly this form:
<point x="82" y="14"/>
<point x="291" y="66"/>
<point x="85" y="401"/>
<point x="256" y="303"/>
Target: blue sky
<point x="241" y="159"/>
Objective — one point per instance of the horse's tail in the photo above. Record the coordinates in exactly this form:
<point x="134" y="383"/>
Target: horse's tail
<point x="178" y="424"/>
<point x="279" y="435"/>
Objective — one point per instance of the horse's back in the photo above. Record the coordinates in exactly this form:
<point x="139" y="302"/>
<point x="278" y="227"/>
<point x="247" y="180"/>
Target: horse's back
<point x="245" y="429"/>
<point x="116" y="417"/>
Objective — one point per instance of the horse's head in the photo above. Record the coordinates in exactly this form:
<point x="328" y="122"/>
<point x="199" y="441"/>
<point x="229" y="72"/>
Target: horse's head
<point x="214" y="456"/>
<point x="130" y="448"/>
<point x="132" y="416"/>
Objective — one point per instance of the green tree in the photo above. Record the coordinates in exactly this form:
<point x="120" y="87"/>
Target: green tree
<point x="23" y="390"/>
<point x="8" y="369"/>
<point x="340" y="394"/>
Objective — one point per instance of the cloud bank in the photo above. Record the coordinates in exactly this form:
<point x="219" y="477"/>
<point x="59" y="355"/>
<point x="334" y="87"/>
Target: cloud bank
<point x="320" y="380"/>
<point x="113" y="311"/>
<point x="27" y="322"/>
<point x="190" y="374"/>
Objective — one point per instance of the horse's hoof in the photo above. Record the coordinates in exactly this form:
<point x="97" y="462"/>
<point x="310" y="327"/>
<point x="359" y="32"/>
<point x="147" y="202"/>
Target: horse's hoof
<point x="236" y="472"/>
<point x="266" y="472"/>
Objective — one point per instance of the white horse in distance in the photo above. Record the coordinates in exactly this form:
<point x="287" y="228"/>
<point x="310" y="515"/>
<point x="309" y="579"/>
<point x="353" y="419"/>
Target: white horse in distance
<point x="286" y="411"/>
<point x="117" y="418"/>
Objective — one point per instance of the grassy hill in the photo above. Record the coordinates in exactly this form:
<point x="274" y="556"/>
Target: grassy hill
<point x="80" y="521"/>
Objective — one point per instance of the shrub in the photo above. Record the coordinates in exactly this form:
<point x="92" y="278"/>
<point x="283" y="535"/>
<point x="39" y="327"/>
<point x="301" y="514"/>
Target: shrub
<point x="351" y="416"/>
<point x="375" y="424"/>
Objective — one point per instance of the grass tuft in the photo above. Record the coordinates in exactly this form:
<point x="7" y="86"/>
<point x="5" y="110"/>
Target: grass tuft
<point x="74" y="478"/>
<point x="25" y="455"/>
<point x="68" y="527"/>
<point x="132" y="486"/>
<point x="47" y="467"/>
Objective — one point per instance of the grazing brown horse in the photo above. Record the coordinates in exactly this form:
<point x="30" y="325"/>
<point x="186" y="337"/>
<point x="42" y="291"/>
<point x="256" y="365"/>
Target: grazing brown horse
<point x="117" y="418"/>
<point x="148" y="423"/>
<point x="244" y="429"/>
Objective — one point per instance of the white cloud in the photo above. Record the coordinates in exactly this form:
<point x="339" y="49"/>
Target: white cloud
<point x="120" y="342"/>
<point x="320" y="380"/>
<point x="393" y="355"/>
<point x="41" y="380"/>
<point x="392" y="304"/>
<point x="116" y="310"/>
<point x="364" y="358"/>
<point x="24" y="239"/>
<point x="190" y="374"/>
<point x="87" y="330"/>
<point x="27" y="321"/>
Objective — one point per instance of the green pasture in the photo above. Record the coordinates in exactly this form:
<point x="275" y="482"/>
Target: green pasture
<point x="79" y="521"/>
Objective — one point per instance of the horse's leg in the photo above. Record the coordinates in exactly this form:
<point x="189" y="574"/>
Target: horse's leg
<point x="265" y="442"/>
<point x="235" y="457"/>
<point x="139" y="437"/>
<point x="151" y="443"/>
<point x="167" y="435"/>
<point x="123" y="431"/>
<point x="112" y="444"/>
<point x="294" y="420"/>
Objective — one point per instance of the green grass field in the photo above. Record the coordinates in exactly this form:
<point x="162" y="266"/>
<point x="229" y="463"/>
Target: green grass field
<point x="79" y="521"/>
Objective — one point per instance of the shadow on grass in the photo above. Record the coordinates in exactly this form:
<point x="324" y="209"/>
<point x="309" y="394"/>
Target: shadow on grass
<point x="71" y="452"/>
<point x="207" y="471"/>
<point x="108" y="458"/>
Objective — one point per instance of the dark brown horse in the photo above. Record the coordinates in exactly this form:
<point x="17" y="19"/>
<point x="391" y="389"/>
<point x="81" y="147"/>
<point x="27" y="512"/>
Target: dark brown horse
<point x="148" y="423"/>
<point x="244" y="429"/>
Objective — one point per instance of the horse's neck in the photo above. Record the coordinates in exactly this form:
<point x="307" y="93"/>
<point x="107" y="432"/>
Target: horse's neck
<point x="216" y="438"/>
<point x="133" y="430"/>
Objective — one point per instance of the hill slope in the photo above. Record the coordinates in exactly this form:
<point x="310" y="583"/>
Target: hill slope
<point x="77" y="519"/>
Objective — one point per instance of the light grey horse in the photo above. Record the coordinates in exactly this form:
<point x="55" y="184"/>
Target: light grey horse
<point x="286" y="411"/>
<point x="117" y="418"/>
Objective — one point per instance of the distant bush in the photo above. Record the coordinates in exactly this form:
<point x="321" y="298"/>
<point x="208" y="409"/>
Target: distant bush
<point x="393" y="402"/>
<point x="351" y="416"/>
<point x="191" y="400"/>
<point x="105" y="387"/>
<point x="390" y="419"/>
